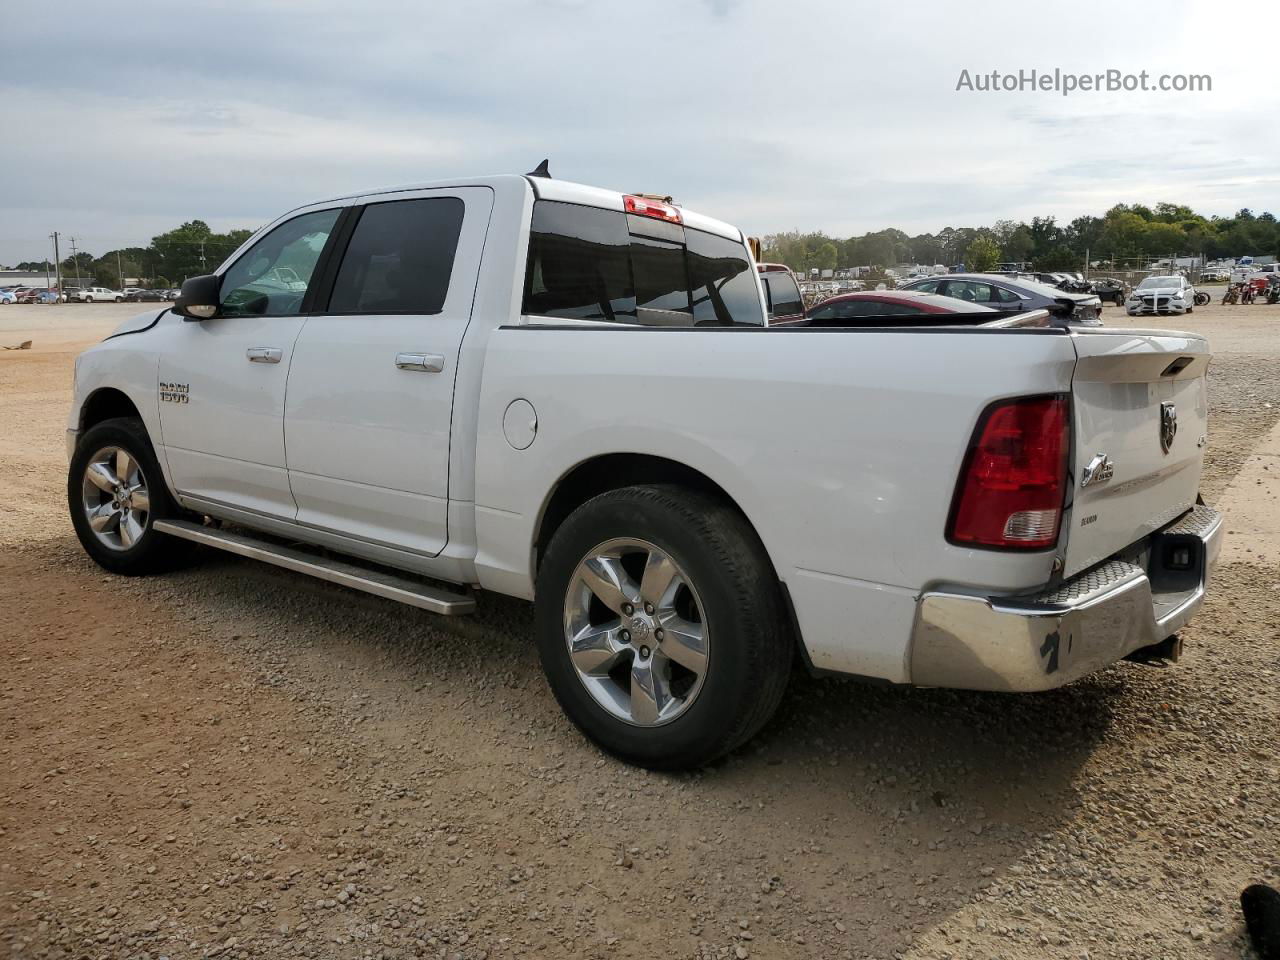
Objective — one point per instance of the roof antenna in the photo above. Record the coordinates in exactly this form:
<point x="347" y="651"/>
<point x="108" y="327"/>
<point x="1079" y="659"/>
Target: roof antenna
<point x="540" y="171"/>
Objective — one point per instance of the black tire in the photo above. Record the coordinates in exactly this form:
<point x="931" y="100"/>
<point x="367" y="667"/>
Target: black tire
<point x="152" y="552"/>
<point x="749" y="654"/>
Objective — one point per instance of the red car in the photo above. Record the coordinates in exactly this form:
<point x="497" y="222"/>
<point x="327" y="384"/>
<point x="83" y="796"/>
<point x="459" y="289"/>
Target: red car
<point x="874" y="304"/>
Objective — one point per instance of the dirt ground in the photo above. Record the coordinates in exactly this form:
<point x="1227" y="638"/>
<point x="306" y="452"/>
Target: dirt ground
<point x="236" y="761"/>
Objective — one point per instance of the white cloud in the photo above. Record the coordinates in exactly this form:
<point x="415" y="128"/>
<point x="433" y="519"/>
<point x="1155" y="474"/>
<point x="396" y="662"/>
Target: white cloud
<point x="822" y="115"/>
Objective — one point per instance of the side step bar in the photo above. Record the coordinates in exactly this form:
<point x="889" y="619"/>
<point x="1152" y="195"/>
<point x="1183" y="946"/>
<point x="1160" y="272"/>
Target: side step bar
<point x="381" y="584"/>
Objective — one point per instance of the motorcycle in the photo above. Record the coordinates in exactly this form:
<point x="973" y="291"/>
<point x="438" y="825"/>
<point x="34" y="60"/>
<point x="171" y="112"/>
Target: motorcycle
<point x="1273" y="289"/>
<point x="1232" y="294"/>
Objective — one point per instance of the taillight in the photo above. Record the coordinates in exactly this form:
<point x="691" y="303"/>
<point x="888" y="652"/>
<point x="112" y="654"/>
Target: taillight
<point x="1011" y="489"/>
<point x="648" y="207"/>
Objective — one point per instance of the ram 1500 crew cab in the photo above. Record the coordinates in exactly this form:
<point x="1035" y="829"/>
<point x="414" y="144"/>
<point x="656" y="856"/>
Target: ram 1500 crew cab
<point x="570" y="395"/>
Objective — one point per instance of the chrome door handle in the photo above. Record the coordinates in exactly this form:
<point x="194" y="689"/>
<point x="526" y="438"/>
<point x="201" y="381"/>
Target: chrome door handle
<point x="424" y="362"/>
<point x="264" y="354"/>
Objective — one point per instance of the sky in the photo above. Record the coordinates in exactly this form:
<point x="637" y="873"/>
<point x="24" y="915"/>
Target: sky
<point x="810" y="115"/>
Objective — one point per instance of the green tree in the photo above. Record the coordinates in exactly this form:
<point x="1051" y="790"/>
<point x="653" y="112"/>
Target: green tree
<point x="981" y="255"/>
<point x="824" y="258"/>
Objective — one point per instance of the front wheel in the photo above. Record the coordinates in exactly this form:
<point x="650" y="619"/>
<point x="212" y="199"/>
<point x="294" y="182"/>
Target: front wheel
<point x="660" y="626"/>
<point x="116" y="492"/>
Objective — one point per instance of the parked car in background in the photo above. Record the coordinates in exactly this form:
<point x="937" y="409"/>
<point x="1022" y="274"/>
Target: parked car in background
<point x="50" y="296"/>
<point x="130" y="293"/>
<point x="781" y="293"/>
<point x="98" y="295"/>
<point x="1169" y="294"/>
<point x="8" y="296"/>
<point x="874" y="306"/>
<point x="1013" y="296"/>
<point x="149" y="296"/>
<point x="27" y="295"/>
<point x="1110" y="289"/>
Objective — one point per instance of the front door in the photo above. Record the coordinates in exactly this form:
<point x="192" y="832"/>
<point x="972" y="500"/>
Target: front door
<point x="222" y="380"/>
<point x="370" y="399"/>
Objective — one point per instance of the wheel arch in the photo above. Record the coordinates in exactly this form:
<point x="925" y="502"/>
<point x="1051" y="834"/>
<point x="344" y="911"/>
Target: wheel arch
<point x="106" y="403"/>
<point x="612" y="471"/>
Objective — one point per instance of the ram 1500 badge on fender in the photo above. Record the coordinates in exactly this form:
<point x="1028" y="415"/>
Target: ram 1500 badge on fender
<point x="570" y="395"/>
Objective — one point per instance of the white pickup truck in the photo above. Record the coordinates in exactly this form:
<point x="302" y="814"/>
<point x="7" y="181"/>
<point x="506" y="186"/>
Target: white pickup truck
<point x="531" y="387"/>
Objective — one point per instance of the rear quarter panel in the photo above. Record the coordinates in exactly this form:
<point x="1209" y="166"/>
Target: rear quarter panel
<point x="842" y="448"/>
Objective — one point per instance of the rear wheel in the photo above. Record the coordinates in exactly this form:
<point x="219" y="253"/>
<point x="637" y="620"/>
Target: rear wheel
<point x="661" y="627"/>
<point x="116" y="492"/>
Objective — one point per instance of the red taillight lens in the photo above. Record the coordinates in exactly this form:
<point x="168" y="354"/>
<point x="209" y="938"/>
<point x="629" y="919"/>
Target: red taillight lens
<point x="1011" y="488"/>
<point x="644" y="207"/>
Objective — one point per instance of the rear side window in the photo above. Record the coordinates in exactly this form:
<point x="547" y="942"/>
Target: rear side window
<point x="784" y="295"/>
<point x="399" y="258"/>
<point x="586" y="263"/>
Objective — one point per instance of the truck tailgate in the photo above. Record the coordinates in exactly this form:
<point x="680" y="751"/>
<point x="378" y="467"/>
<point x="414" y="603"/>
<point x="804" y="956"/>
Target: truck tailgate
<point x="1140" y="415"/>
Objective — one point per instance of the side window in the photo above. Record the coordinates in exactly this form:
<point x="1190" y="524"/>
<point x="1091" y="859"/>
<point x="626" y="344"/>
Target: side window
<point x="925" y="286"/>
<point x="1006" y="296"/>
<point x="400" y="257"/>
<point x="784" y="295"/>
<point x="272" y="276"/>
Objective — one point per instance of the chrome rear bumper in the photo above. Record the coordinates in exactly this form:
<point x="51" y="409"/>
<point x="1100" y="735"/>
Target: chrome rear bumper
<point x="1050" y="639"/>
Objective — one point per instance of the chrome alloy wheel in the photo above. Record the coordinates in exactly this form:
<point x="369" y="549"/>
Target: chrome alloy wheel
<point x="115" y="498"/>
<point x="635" y="631"/>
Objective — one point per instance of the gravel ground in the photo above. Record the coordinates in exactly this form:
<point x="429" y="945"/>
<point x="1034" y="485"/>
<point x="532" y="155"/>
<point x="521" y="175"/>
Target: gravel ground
<point x="235" y="761"/>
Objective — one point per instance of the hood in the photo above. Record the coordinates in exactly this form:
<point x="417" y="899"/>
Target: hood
<point x="1156" y="291"/>
<point x="139" y="323"/>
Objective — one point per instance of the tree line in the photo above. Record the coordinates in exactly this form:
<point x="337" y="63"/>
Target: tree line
<point x="186" y="251"/>
<point x="1125" y="232"/>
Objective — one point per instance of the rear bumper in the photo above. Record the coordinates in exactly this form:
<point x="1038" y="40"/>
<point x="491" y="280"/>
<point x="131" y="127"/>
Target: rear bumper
<point x="1048" y="640"/>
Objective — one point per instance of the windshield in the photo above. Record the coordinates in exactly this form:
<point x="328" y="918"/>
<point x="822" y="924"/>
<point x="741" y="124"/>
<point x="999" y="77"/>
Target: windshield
<point x="1150" y="282"/>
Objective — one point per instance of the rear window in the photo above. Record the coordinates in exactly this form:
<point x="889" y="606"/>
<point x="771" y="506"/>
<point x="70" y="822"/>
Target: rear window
<point x="591" y="264"/>
<point x="783" y="293"/>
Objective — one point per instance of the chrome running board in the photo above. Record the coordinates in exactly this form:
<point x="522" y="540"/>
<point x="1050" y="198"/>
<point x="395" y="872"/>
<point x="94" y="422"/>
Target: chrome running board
<point x="380" y="583"/>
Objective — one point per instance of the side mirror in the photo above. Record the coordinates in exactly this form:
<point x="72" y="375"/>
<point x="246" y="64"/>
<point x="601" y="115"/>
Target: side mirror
<point x="199" y="298"/>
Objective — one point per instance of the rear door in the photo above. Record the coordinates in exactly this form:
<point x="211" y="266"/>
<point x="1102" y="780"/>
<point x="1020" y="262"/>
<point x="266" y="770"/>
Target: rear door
<point x="1141" y="416"/>
<point x="370" y="398"/>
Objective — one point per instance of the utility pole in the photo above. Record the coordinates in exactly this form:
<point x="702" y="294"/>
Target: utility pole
<point x="72" y="241"/>
<point x="57" y="261"/>
<point x="119" y="271"/>
<point x="203" y="268"/>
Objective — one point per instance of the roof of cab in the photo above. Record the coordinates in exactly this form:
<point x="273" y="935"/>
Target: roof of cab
<point x="565" y="191"/>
